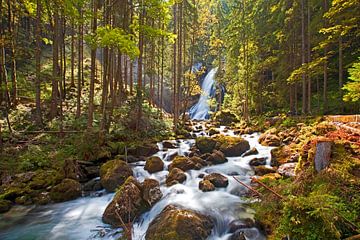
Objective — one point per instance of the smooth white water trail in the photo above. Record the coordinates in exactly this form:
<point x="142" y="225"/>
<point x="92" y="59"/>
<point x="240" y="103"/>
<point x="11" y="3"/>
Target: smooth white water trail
<point x="81" y="218"/>
<point x="200" y="111"/>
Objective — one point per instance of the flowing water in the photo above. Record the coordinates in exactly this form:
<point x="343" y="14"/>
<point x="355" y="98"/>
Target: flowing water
<point x="200" y="111"/>
<point x="81" y="218"/>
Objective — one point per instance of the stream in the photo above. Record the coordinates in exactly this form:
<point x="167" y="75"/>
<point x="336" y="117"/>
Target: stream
<point x="81" y="218"/>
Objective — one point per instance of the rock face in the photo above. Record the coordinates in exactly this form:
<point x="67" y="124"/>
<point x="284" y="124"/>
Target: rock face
<point x="322" y="155"/>
<point x="232" y="146"/>
<point x="175" y="176"/>
<point x="205" y="144"/>
<point x="174" y="223"/>
<point x="217" y="180"/>
<point x="151" y="191"/>
<point x="67" y="190"/>
<point x="206" y="186"/>
<point x="127" y="204"/>
<point x="154" y="164"/>
<point x="113" y="174"/>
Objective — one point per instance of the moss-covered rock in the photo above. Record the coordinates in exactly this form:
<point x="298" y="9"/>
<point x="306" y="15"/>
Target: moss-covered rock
<point x="217" y="157"/>
<point x="174" y="223"/>
<point x="217" y="180"/>
<point x="175" y="176"/>
<point x="262" y="170"/>
<point x="225" y="118"/>
<point x="151" y="192"/>
<point x="205" y="144"/>
<point x="232" y="146"/>
<point x="154" y="164"/>
<point x="145" y="150"/>
<point x="5" y="205"/>
<point x="269" y="138"/>
<point x="206" y="186"/>
<point x="67" y="190"/>
<point x="113" y="174"/>
<point x="185" y="163"/>
<point x="45" y="178"/>
<point x="126" y="205"/>
<point x="283" y="154"/>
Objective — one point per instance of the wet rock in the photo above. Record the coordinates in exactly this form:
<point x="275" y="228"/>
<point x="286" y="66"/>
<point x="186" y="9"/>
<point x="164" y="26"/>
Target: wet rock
<point x="185" y="163"/>
<point x="92" y="171"/>
<point x="113" y="174"/>
<point x="151" y="192"/>
<point x="257" y="161"/>
<point x="175" y="176"/>
<point x="269" y="138"/>
<point x="5" y="206"/>
<point x="154" y="164"/>
<point x="217" y="180"/>
<point x="144" y="150"/>
<point x="126" y="205"/>
<point x="232" y="146"/>
<point x="262" y="170"/>
<point x="225" y="118"/>
<point x="168" y="144"/>
<point x="201" y="175"/>
<point x="217" y="157"/>
<point x="68" y="189"/>
<point x="93" y="185"/>
<point x="206" y="186"/>
<point x="213" y="131"/>
<point x="43" y="198"/>
<point x="252" y="151"/>
<point x="239" y="224"/>
<point x="174" y="223"/>
<point x="24" y="200"/>
<point x="171" y="156"/>
<point x="239" y="235"/>
<point x="198" y="162"/>
<point x="287" y="169"/>
<point x="205" y="144"/>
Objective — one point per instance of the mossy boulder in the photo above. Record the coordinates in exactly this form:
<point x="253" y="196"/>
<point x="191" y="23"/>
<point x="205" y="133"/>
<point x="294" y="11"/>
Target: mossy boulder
<point x="217" y="180"/>
<point x="68" y="189"/>
<point x="283" y="154"/>
<point x="270" y="138"/>
<point x="45" y="178"/>
<point x="126" y="205"/>
<point x="205" y="144"/>
<point x="216" y="157"/>
<point x="174" y="223"/>
<point x="225" y="118"/>
<point x="5" y="206"/>
<point x="175" y="176"/>
<point x="185" y="163"/>
<point x="154" y="164"/>
<point x="151" y="192"/>
<point x="257" y="161"/>
<point x="262" y="170"/>
<point x="113" y="174"/>
<point x="232" y="146"/>
<point x="206" y="186"/>
<point x="145" y="150"/>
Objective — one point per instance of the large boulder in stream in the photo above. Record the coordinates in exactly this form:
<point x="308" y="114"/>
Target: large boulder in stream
<point x="146" y="149"/>
<point x="217" y="180"/>
<point x="175" y="176"/>
<point x="113" y="174"/>
<point x="184" y="163"/>
<point x="206" y="186"/>
<point x="205" y="144"/>
<point x="151" y="191"/>
<point x="68" y="189"/>
<point x="232" y="146"/>
<point x="216" y="157"/>
<point x="174" y="223"/>
<point x="154" y="164"/>
<point x="127" y="204"/>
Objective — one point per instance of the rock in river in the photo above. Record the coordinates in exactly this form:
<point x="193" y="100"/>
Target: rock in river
<point x="113" y="174"/>
<point x="67" y="190"/>
<point x="217" y="179"/>
<point x="174" y="223"/>
<point x="154" y="164"/>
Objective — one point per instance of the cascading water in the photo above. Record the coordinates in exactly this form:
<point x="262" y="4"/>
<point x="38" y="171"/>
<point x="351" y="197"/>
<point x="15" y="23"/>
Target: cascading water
<point x="200" y="111"/>
<point x="81" y="218"/>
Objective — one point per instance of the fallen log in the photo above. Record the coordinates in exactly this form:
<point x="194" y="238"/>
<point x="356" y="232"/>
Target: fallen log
<point x="248" y="187"/>
<point x="267" y="188"/>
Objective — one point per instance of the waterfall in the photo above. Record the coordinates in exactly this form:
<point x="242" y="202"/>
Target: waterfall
<point x="200" y="111"/>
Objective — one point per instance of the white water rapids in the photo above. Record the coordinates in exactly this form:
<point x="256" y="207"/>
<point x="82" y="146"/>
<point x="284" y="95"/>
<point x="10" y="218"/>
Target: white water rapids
<point x="81" y="218"/>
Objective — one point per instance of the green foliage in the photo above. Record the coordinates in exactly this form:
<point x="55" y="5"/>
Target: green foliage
<point x="353" y="87"/>
<point x="34" y="158"/>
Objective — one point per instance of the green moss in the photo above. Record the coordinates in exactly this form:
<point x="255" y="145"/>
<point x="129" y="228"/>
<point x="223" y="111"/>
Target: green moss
<point x="205" y="144"/>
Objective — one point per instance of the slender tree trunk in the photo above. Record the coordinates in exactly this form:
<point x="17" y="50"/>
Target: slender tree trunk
<point x="139" y="89"/>
<point x="175" y="66"/>
<point x="341" y="73"/>
<point x="56" y="70"/>
<point x="304" y="90"/>
<point x="38" y="118"/>
<point x="72" y="84"/>
<point x="325" y="67"/>
<point x="11" y="29"/>
<point x="79" y="73"/>
<point x="309" y="57"/>
<point x="93" y="70"/>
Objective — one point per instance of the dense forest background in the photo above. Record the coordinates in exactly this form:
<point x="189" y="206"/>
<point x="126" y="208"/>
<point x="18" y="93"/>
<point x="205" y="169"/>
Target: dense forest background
<point x="86" y="61"/>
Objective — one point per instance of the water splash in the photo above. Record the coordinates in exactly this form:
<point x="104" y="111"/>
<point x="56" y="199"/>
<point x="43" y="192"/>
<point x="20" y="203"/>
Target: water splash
<point x="200" y="111"/>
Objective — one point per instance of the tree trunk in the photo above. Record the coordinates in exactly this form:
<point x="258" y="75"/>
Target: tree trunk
<point x="309" y="57"/>
<point x="304" y="85"/>
<point x="56" y="70"/>
<point x="175" y="66"/>
<point x="80" y="77"/>
<point x="11" y="23"/>
<point x="38" y="118"/>
<point x="341" y="74"/>
<point x="72" y="84"/>
<point x="93" y="70"/>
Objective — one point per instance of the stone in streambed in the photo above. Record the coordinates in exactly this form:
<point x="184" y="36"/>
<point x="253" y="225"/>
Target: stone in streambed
<point x="175" y="176"/>
<point x="232" y="146"/>
<point x="252" y="151"/>
<point x="205" y="144"/>
<point x="239" y="224"/>
<point x="113" y="174"/>
<point x="151" y="191"/>
<point x="186" y="163"/>
<point x="174" y="223"/>
<point x="263" y="170"/>
<point x="126" y="205"/>
<point x="68" y="189"/>
<point x="154" y="164"/>
<point x="239" y="235"/>
<point x="269" y="138"/>
<point x="167" y="144"/>
<point x="257" y="161"/>
<point x="217" y="180"/>
<point x="5" y="206"/>
<point x="206" y="186"/>
<point x="217" y="157"/>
